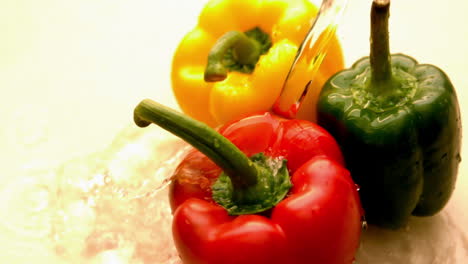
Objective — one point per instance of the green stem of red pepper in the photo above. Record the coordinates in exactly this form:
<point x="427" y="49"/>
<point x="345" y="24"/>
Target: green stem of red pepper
<point x="246" y="185"/>
<point x="220" y="150"/>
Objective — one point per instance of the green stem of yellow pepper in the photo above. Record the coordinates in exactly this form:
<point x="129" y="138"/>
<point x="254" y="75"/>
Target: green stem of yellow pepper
<point x="245" y="51"/>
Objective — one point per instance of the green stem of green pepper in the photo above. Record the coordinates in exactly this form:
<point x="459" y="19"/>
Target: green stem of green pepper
<point x="380" y="115"/>
<point x="380" y="51"/>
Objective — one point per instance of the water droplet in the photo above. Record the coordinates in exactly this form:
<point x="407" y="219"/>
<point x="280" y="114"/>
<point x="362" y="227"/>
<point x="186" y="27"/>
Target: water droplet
<point x="107" y="179"/>
<point x="26" y="209"/>
<point x="444" y="157"/>
<point x="216" y="143"/>
<point x="364" y="224"/>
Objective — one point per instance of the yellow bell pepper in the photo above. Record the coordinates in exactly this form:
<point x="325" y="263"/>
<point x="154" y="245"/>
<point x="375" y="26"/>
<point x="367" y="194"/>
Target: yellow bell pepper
<point x="256" y="42"/>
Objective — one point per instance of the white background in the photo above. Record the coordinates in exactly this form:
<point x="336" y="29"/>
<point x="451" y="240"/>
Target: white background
<point x="71" y="71"/>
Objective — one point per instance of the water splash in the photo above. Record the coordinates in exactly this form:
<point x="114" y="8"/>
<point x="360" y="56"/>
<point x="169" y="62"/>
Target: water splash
<point x="108" y="207"/>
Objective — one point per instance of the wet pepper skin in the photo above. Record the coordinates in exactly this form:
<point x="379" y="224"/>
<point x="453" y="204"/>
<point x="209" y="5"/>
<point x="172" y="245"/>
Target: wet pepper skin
<point x="318" y="222"/>
<point x="405" y="158"/>
<point x="398" y="123"/>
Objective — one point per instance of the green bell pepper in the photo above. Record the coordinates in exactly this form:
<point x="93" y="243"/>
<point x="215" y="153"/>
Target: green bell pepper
<point x="398" y="123"/>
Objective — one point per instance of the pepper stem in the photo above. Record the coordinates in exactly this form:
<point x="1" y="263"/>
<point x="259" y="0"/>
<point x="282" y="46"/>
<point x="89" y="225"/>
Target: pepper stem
<point x="246" y="50"/>
<point x="240" y="169"/>
<point x="380" y="51"/>
<point x="247" y="185"/>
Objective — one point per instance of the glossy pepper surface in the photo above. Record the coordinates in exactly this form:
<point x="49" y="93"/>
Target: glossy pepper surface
<point x="398" y="123"/>
<point x="255" y="42"/>
<point x="259" y="218"/>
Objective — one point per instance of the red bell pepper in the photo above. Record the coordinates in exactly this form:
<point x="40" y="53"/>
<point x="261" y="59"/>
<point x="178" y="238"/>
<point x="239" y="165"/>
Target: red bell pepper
<point x="231" y="209"/>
